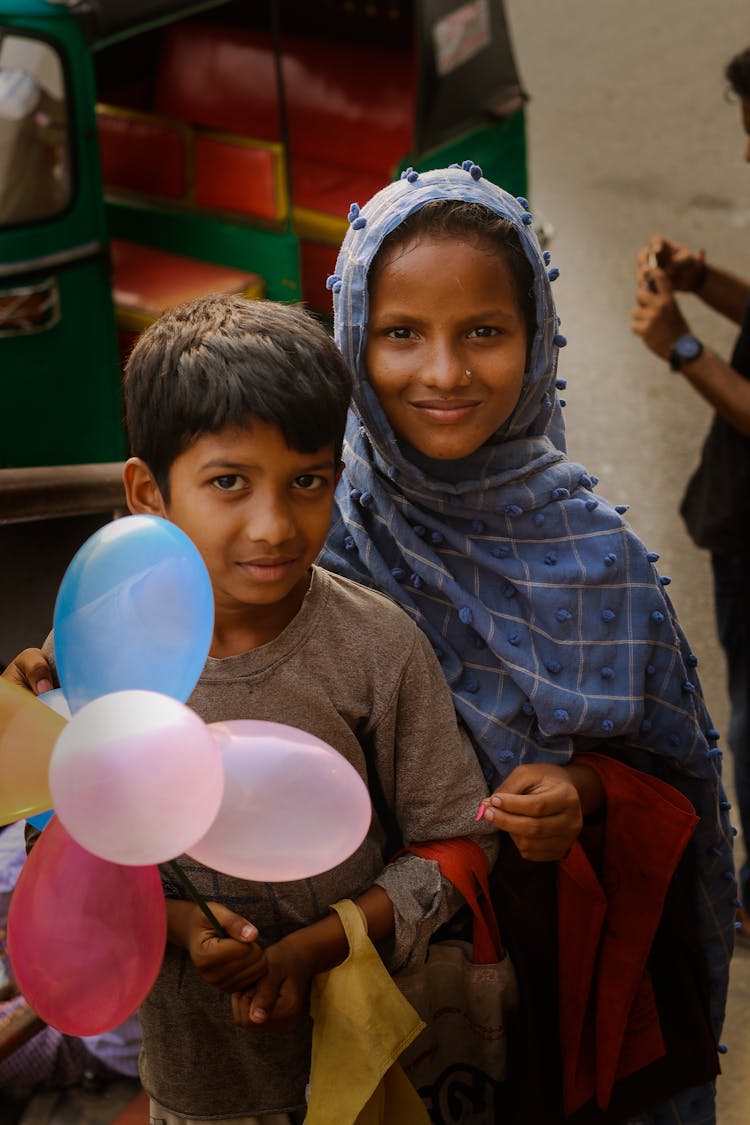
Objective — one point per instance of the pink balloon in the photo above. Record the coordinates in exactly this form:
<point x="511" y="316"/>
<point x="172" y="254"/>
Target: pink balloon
<point x="292" y="806"/>
<point x="136" y="777"/>
<point x="85" y="937"/>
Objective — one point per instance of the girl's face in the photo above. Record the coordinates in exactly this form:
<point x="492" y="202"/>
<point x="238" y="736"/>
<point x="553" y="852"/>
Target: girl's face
<point x="440" y="309"/>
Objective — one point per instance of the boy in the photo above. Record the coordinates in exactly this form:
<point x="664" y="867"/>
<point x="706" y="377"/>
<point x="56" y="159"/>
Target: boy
<point x="236" y="413"/>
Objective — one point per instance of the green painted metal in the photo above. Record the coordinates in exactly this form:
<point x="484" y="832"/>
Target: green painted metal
<point x="60" y="388"/>
<point x="28" y="10"/>
<point x="85" y="220"/>
<point x="499" y="148"/>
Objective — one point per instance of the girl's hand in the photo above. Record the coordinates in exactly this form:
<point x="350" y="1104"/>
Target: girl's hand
<point x="30" y="670"/>
<point x="542" y="806"/>
<point x="231" y="964"/>
<point x="280" y="999"/>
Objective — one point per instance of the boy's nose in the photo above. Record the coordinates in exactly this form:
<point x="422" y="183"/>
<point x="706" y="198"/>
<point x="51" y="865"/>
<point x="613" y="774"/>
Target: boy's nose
<point x="272" y="523"/>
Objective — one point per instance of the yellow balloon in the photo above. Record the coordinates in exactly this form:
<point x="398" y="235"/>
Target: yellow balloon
<point x="28" y="733"/>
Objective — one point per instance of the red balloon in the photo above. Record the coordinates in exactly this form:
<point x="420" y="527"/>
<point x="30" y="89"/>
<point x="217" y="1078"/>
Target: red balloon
<point x="85" y="936"/>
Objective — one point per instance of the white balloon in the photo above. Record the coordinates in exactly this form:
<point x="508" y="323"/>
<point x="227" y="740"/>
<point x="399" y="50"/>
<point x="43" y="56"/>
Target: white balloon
<point x="292" y="807"/>
<point x="136" y="777"/>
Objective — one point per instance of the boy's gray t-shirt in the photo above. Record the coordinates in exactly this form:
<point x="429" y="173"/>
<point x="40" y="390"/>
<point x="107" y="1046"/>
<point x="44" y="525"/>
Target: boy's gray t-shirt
<point x="354" y="670"/>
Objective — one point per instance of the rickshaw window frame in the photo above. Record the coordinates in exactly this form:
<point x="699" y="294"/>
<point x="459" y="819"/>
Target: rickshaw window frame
<point x="71" y="120"/>
<point x="101" y="42"/>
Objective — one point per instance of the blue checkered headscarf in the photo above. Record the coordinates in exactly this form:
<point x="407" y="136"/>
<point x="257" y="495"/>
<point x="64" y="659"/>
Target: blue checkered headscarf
<point x="547" y="613"/>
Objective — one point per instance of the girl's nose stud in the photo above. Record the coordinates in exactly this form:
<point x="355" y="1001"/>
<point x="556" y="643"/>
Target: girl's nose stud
<point x="467" y="375"/>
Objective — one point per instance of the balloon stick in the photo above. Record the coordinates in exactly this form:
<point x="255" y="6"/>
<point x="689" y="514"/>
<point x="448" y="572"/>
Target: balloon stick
<point x="197" y="898"/>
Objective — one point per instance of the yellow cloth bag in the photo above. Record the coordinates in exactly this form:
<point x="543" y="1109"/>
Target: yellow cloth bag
<point x="362" y="1023"/>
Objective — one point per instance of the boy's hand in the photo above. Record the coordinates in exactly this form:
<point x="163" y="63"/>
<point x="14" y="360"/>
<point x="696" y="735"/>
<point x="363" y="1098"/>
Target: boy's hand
<point x="541" y="807"/>
<point x="30" y="670"/>
<point x="280" y="998"/>
<point x="230" y="964"/>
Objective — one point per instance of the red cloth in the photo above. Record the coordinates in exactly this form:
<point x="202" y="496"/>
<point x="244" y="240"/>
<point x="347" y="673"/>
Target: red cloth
<point x="464" y="863"/>
<point x="611" y="892"/>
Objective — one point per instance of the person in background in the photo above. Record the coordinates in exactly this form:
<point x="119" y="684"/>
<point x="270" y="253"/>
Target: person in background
<point x="716" y="504"/>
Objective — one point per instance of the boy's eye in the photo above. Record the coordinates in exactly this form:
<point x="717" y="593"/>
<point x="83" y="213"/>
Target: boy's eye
<point x="230" y="482"/>
<point x="310" y="481"/>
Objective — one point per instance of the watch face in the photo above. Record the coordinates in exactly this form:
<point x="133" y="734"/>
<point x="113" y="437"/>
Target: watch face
<point x="687" y="347"/>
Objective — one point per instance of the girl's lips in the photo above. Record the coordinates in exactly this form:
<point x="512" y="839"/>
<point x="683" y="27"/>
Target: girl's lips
<point x="446" y="410"/>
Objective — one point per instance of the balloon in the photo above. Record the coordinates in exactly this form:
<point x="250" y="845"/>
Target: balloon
<point x="134" y="610"/>
<point x="136" y="777"/>
<point x="27" y="736"/>
<point x="42" y="819"/>
<point x="292" y="807"/>
<point x="85" y="937"/>
<point x="57" y="701"/>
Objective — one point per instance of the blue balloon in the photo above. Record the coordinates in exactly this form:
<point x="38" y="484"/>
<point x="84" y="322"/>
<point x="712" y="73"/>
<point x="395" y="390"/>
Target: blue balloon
<point x="134" y="611"/>
<point x="56" y="701"/>
<point x="42" y="819"/>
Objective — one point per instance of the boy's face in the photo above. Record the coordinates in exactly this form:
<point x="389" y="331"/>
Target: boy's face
<point x="258" y="512"/>
<point x="446" y="344"/>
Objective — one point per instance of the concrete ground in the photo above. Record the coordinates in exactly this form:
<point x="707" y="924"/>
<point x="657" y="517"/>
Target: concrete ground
<point x="629" y="134"/>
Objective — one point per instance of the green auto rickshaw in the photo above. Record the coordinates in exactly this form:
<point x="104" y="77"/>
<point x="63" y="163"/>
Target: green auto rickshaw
<point x="153" y="150"/>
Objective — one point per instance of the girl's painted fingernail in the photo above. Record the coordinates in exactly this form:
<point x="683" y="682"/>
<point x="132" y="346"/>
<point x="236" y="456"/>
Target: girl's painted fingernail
<point x="481" y="811"/>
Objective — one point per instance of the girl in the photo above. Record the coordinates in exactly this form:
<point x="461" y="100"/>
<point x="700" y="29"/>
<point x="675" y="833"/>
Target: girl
<point x="550" y="620"/>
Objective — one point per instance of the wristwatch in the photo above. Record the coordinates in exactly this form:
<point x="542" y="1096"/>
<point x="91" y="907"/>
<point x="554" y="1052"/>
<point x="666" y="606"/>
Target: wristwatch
<point x="684" y="349"/>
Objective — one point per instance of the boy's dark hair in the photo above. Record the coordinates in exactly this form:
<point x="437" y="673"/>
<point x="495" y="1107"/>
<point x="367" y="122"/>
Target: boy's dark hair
<point x="737" y="73"/>
<point x="450" y="218"/>
<point x="218" y="361"/>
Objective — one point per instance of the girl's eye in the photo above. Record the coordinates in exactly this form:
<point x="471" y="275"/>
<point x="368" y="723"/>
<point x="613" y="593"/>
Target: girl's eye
<point x="310" y="482"/>
<point x="483" y="331"/>
<point x="399" y="333"/>
<point x="230" y="482"/>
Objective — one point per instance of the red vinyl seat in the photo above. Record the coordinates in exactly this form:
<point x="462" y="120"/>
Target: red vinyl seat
<point x="350" y="119"/>
<point x="146" y="282"/>
<point x="142" y="154"/>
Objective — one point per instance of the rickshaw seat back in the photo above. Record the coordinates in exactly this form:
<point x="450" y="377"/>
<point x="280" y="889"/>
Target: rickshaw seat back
<point x="348" y="106"/>
<point x="213" y="139"/>
<point x="170" y="161"/>
<point x="142" y="154"/>
<point x="350" y="113"/>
